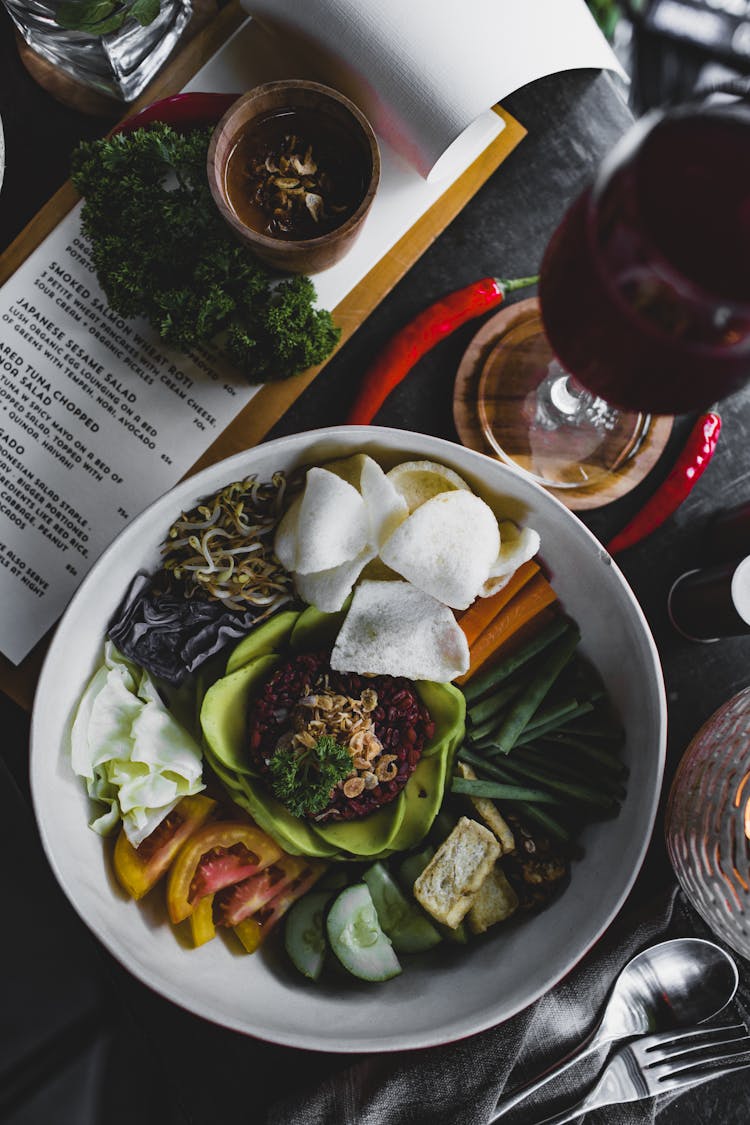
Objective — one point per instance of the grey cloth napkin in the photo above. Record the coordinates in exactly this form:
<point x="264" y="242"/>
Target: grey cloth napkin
<point x="459" y="1084"/>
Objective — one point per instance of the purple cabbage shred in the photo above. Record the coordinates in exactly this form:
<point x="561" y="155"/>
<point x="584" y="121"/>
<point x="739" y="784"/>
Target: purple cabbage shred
<point x="170" y="635"/>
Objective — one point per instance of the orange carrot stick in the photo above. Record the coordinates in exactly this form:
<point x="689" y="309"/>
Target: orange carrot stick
<point x="534" y="597"/>
<point x="484" y="610"/>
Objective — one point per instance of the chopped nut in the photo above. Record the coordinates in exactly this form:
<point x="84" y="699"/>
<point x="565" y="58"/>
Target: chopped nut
<point x="306" y="167"/>
<point x="314" y="204"/>
<point x="369" y="699"/>
<point x="386" y="769"/>
<point x="372" y="746"/>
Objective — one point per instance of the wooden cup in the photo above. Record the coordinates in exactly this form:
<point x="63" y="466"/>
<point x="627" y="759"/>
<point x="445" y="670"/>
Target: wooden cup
<point x="309" y="255"/>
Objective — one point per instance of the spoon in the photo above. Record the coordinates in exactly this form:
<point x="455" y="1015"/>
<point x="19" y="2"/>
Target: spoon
<point x="674" y="984"/>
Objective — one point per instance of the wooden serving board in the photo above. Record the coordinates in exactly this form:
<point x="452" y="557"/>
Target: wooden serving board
<point x="253" y="423"/>
<point x="466" y="418"/>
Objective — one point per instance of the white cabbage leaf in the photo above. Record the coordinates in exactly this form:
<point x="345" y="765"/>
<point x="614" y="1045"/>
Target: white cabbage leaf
<point x="135" y="757"/>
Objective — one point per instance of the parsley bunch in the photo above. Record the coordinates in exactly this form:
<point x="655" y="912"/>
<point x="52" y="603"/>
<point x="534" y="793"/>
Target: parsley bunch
<point x="162" y="250"/>
<point x="303" y="781"/>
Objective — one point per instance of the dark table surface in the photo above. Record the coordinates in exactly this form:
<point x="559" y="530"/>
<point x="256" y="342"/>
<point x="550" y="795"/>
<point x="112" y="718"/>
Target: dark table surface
<point x="82" y="1042"/>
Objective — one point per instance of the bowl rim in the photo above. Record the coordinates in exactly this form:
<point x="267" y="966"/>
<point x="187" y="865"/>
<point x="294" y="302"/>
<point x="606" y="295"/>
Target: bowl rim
<point x="462" y="1027"/>
<point x="216" y="180"/>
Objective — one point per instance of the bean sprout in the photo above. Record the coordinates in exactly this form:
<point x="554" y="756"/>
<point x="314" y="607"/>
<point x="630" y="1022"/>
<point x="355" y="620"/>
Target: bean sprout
<point x="223" y="548"/>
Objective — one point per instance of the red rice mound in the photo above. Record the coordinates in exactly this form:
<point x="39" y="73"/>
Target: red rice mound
<point x="401" y="721"/>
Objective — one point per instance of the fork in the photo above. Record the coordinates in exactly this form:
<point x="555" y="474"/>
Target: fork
<point x="657" y="1064"/>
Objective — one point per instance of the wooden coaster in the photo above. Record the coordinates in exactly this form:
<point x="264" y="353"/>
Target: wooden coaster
<point x="466" y="417"/>
<point x="76" y="95"/>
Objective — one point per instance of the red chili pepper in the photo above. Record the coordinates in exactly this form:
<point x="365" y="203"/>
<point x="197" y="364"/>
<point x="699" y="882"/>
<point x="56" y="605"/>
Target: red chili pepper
<point x="421" y="334"/>
<point x="688" y="469"/>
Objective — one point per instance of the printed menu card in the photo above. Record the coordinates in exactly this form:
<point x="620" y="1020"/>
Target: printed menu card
<point x="97" y="416"/>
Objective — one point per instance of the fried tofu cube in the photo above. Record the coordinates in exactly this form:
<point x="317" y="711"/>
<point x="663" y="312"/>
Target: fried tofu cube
<point x="488" y="812"/>
<point x="495" y="901"/>
<point x="451" y="880"/>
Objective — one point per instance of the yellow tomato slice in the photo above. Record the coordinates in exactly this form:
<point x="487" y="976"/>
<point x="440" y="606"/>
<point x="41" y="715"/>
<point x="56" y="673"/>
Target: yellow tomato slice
<point x="202" y="926"/>
<point x="217" y="856"/>
<point x="139" y="869"/>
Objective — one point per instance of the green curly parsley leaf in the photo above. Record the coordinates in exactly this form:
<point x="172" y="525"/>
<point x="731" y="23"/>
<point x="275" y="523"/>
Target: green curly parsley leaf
<point x="303" y="781"/>
<point x="162" y="250"/>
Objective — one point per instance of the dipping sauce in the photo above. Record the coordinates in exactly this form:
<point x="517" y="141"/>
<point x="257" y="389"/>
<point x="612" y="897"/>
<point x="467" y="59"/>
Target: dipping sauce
<point x="296" y="174"/>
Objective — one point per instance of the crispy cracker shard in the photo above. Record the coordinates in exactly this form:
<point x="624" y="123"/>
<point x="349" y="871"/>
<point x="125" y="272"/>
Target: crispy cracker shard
<point x="332" y="523"/>
<point x="452" y="879"/>
<point x="392" y="628"/>
<point x="446" y="547"/>
<point x="517" y="546"/>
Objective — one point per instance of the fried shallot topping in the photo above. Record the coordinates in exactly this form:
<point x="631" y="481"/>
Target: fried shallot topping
<point x="322" y="713"/>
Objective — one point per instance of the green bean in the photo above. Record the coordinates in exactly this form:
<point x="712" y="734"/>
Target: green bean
<point x="583" y="793"/>
<point x="595" y="778"/>
<point x="543" y="819"/>
<point x="478" y="686"/>
<point x="502" y="792"/>
<point x="525" y="706"/>
<point x="537" y="728"/>
<point x="491" y="707"/>
<point x="597" y="753"/>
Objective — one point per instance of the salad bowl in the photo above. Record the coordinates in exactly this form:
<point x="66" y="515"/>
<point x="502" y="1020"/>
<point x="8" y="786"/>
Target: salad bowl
<point x="442" y="995"/>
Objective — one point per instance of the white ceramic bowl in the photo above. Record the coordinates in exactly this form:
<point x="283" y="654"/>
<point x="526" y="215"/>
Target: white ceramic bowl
<point x="440" y="996"/>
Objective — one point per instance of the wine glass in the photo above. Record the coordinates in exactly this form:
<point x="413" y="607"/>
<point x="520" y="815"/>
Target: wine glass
<point x="644" y="301"/>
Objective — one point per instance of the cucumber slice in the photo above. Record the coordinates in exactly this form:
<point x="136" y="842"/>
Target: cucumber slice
<point x="356" y="937"/>
<point x="408" y="928"/>
<point x="304" y="934"/>
<point x="413" y="866"/>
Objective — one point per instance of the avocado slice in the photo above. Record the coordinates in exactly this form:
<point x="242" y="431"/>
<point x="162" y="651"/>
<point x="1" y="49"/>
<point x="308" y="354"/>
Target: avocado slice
<point x="369" y="836"/>
<point x="447" y="707"/>
<point x="291" y="832"/>
<point x="423" y="795"/>
<point x="224" y="712"/>
<point x="317" y="630"/>
<point x="398" y="825"/>
<point x="269" y="637"/>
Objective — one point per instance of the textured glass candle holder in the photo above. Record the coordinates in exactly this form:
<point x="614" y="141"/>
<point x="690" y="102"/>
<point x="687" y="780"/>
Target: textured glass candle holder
<point x="708" y="822"/>
<point x="120" y="64"/>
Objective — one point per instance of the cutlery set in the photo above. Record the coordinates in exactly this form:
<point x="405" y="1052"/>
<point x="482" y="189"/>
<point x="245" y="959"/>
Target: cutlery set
<point x="659" y="1002"/>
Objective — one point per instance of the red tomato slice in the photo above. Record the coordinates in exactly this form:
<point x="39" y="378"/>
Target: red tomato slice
<point x="243" y="899"/>
<point x="302" y="874"/>
<point x="218" y="855"/>
<point x="139" y="869"/>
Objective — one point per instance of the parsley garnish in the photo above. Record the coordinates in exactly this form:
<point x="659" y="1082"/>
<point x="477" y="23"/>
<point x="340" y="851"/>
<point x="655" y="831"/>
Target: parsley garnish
<point x="303" y="780"/>
<point x="162" y="250"/>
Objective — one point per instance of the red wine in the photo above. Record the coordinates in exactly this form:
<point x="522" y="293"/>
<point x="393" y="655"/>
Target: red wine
<point x="645" y="286"/>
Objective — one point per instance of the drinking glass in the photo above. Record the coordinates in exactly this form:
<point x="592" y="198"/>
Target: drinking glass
<point x="644" y="301"/>
<point x="119" y="64"/>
